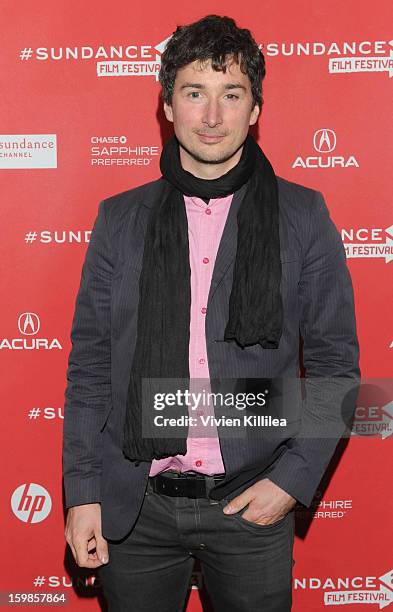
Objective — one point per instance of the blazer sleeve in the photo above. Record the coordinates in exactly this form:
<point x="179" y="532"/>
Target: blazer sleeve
<point x="330" y="358"/>
<point x="88" y="389"/>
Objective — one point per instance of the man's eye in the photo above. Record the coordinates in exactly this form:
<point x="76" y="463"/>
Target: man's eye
<point x="232" y="96"/>
<point x="194" y="94"/>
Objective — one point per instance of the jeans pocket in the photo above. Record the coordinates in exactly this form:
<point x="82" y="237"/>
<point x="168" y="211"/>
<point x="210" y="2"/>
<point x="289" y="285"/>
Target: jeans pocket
<point x="259" y="527"/>
<point x="251" y="525"/>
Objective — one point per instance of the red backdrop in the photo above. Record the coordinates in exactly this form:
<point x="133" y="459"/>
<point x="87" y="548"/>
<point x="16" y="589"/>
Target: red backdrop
<point x="80" y="121"/>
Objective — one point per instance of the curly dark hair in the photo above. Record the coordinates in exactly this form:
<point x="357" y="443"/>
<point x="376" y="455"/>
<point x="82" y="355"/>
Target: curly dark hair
<point x="212" y="38"/>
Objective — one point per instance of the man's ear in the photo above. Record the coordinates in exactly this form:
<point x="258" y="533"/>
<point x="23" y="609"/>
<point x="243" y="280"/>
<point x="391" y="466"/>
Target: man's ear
<point x="168" y="112"/>
<point x="254" y="114"/>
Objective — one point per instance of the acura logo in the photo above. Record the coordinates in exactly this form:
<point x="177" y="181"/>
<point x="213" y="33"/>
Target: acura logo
<point x="324" y="141"/>
<point x="28" y="324"/>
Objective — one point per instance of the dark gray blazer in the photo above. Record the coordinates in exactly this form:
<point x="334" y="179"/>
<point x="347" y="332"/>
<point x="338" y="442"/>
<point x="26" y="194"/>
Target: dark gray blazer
<point x="318" y="306"/>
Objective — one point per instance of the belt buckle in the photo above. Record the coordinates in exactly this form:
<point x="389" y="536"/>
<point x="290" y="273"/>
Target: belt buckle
<point x="193" y="484"/>
<point x="193" y="479"/>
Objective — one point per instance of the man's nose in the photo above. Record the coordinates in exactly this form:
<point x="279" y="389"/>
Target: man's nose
<point x="212" y="115"/>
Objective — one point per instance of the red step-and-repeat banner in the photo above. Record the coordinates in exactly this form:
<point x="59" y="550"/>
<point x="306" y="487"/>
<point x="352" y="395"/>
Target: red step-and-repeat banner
<point x="80" y="121"/>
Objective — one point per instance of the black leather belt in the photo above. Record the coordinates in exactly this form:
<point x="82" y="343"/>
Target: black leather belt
<point x="185" y="484"/>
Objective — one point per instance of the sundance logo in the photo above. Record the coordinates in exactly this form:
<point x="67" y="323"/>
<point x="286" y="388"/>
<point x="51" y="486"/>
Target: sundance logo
<point x="29" y="326"/>
<point x="31" y="503"/>
<point x="28" y="151"/>
<point x="355" y="590"/>
<point x="149" y="66"/>
<point x="114" y="60"/>
<point x="368" y="243"/>
<point x="68" y="581"/>
<point x="325" y="142"/>
<point x="373" y="421"/>
<point x="344" y="56"/>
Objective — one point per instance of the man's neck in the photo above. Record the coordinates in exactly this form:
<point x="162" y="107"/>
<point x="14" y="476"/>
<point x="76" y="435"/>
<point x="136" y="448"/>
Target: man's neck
<point x="207" y="171"/>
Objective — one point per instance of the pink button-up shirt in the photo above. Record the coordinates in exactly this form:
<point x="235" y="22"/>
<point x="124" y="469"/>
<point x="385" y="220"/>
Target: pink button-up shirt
<point x="205" y="226"/>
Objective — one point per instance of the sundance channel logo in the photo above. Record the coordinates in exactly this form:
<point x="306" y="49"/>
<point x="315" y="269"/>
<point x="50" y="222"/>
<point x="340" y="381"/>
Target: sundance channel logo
<point x="325" y="155"/>
<point x="28" y="151"/>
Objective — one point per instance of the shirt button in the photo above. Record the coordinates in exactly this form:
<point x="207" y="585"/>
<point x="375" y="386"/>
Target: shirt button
<point x="208" y="211"/>
<point x="202" y="360"/>
<point x="198" y="463"/>
<point x="203" y="310"/>
<point x="205" y="260"/>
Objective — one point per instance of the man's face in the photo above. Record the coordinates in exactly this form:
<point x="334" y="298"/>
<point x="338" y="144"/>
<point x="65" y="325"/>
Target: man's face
<point x="211" y="112"/>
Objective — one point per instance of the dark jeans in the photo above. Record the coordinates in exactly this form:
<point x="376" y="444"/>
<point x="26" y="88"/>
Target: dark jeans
<point x="245" y="567"/>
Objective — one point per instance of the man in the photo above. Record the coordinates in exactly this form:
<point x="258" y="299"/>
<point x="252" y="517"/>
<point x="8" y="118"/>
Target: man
<point x="207" y="274"/>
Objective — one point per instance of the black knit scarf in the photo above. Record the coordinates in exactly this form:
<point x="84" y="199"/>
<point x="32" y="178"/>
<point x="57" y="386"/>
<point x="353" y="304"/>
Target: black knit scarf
<point x="163" y="328"/>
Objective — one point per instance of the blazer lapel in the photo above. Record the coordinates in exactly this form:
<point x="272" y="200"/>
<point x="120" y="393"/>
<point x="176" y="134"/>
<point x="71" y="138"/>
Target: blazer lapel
<point x="139" y="234"/>
<point x="142" y="219"/>
<point x="228" y="244"/>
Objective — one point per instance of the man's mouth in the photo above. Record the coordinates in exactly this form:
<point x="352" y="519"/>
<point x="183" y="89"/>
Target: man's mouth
<point x="210" y="138"/>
